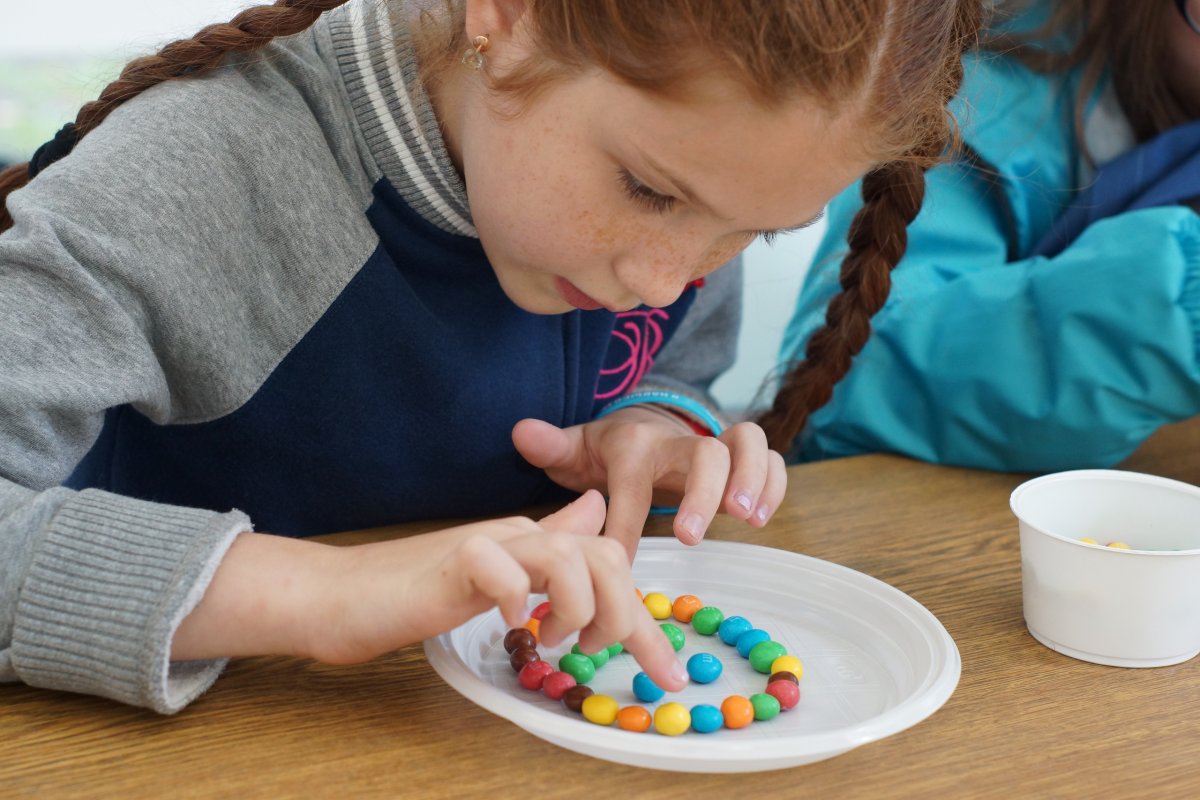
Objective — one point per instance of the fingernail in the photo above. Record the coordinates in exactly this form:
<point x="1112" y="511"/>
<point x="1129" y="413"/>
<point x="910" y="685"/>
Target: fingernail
<point x="679" y="673"/>
<point x="762" y="513"/>
<point x="743" y="500"/>
<point x="693" y="525"/>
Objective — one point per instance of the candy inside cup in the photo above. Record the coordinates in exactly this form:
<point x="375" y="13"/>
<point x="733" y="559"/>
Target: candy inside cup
<point x="1135" y="607"/>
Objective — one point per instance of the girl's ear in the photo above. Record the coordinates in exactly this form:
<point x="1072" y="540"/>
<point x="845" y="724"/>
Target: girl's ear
<point x="496" y="19"/>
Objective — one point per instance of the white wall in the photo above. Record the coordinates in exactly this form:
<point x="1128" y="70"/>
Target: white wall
<point x="773" y="276"/>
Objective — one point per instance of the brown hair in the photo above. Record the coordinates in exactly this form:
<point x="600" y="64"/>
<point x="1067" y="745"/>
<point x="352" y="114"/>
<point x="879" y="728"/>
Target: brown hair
<point x="1106" y="35"/>
<point x="897" y="61"/>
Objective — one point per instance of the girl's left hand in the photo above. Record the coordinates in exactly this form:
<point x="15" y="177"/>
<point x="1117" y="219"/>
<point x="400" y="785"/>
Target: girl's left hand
<point x="642" y="456"/>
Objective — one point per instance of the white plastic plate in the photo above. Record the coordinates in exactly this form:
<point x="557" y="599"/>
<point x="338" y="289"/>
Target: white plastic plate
<point x="875" y="662"/>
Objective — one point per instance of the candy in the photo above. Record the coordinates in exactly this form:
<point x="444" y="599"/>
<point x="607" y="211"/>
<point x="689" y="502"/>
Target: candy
<point x="615" y="649"/>
<point x="672" y="719"/>
<point x="600" y="709"/>
<point x="737" y="711"/>
<point x="732" y="628"/>
<point x="786" y="692"/>
<point x="747" y="641"/>
<point x="704" y="667"/>
<point x="673" y="634"/>
<point x="685" y="607"/>
<point x="634" y="718"/>
<point x="789" y="664"/>
<point x="707" y="620"/>
<point x="540" y="611"/>
<point x="658" y="604"/>
<point x="521" y="657"/>
<point x="557" y="683"/>
<point x="783" y="676"/>
<point x="534" y="673"/>
<point x="573" y="698"/>
<point x="598" y="659"/>
<point x="1088" y="540"/>
<point x="518" y="638"/>
<point x="534" y="626"/>
<point x="765" y="706"/>
<point x="645" y="689"/>
<point x="578" y="666"/>
<point x="706" y="718"/>
<point x="1118" y="546"/>
<point x="763" y="654"/>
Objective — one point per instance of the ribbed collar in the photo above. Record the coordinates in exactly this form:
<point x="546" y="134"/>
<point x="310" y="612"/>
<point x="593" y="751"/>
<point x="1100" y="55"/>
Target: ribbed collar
<point x="378" y="63"/>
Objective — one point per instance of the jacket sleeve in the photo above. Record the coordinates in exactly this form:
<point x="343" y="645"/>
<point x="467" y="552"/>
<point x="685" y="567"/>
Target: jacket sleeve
<point x="1028" y="365"/>
<point x="92" y="584"/>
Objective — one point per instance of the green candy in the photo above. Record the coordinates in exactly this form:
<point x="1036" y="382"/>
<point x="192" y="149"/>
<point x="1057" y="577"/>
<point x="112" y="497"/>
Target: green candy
<point x="763" y="654"/>
<point x="578" y="666"/>
<point x="765" y="706"/>
<point x="598" y="659"/>
<point x="615" y="649"/>
<point x="707" y="620"/>
<point x="674" y="634"/>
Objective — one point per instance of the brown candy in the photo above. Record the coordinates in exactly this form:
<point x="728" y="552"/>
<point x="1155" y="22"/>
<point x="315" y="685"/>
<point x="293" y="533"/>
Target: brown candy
<point x="518" y="638"/>
<point x="573" y="698"/>
<point x="523" y="656"/>
<point x="783" y="676"/>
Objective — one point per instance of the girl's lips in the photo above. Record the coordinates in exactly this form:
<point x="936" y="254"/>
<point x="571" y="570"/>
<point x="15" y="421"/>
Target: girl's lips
<point x="575" y="297"/>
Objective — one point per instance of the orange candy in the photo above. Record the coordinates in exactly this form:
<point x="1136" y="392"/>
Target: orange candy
<point x="634" y="718"/>
<point x="737" y="711"/>
<point x="639" y="594"/>
<point x="685" y="607"/>
<point x="534" y="626"/>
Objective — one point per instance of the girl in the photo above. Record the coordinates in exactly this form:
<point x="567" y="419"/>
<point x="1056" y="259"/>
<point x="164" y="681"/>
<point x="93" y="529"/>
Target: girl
<point x="1047" y="313"/>
<point x="320" y="264"/>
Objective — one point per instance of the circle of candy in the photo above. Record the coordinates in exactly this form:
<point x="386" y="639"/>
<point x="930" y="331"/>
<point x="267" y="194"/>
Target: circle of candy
<point x="670" y="719"/>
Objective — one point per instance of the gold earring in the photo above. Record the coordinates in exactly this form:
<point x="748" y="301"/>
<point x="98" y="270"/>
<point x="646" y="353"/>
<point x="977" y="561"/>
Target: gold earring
<point x="473" y="55"/>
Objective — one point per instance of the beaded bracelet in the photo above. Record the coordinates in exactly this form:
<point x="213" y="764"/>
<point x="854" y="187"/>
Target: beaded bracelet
<point x="671" y="719"/>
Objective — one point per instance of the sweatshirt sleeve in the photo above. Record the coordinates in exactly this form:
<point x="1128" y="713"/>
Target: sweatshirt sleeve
<point x="1030" y="365"/>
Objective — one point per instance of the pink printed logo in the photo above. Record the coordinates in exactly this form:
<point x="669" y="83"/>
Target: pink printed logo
<point x="637" y="337"/>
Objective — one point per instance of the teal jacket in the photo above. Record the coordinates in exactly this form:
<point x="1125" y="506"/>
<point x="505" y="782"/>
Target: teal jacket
<point x="988" y="356"/>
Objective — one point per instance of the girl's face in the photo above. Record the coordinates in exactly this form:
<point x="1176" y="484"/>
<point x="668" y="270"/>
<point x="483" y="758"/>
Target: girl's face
<point x="597" y="194"/>
<point x="1184" y="62"/>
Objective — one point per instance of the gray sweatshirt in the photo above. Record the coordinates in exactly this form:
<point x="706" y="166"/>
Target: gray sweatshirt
<point x="169" y="265"/>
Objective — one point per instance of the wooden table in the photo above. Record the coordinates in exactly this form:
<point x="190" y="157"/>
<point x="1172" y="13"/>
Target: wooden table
<point x="1024" y="721"/>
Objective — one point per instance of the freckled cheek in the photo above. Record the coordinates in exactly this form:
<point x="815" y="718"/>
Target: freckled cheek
<point x="723" y="250"/>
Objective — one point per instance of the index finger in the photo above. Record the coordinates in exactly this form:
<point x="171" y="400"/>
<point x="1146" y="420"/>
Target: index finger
<point x="654" y="652"/>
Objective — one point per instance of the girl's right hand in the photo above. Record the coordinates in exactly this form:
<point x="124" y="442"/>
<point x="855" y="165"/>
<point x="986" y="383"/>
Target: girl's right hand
<point x="346" y="605"/>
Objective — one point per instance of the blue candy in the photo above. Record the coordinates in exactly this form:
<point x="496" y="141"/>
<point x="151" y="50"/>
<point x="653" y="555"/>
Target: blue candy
<point x="746" y="642"/>
<point x="706" y="718"/>
<point x="704" y="667"/>
<point x="645" y="689"/>
<point x="732" y="628"/>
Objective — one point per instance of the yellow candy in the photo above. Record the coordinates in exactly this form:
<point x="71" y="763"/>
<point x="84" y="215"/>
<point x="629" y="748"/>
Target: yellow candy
<point x="600" y="709"/>
<point x="671" y="719"/>
<point x="1088" y="540"/>
<point x="788" y="664"/>
<point x="1118" y="546"/>
<point x="658" y="604"/>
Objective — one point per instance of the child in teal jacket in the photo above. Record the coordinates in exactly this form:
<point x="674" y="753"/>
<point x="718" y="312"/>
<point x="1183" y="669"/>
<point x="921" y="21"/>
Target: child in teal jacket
<point x="1046" y="314"/>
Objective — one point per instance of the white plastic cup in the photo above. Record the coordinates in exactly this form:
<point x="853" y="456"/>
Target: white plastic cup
<point x="1124" y="608"/>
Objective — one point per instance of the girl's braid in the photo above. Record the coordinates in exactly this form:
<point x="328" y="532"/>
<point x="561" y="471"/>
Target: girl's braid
<point x="892" y="196"/>
<point x="249" y="30"/>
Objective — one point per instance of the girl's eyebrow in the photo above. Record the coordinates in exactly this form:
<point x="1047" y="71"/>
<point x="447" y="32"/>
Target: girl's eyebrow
<point x="695" y="200"/>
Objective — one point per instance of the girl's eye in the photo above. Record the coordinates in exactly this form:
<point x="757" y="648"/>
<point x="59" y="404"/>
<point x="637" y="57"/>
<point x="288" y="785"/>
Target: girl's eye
<point x="768" y="237"/>
<point x="643" y="194"/>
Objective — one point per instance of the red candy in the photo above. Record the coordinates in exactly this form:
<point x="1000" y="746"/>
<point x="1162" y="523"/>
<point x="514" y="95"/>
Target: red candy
<point x="786" y="692"/>
<point x="557" y="684"/>
<point x="541" y="610"/>
<point x="533" y="674"/>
